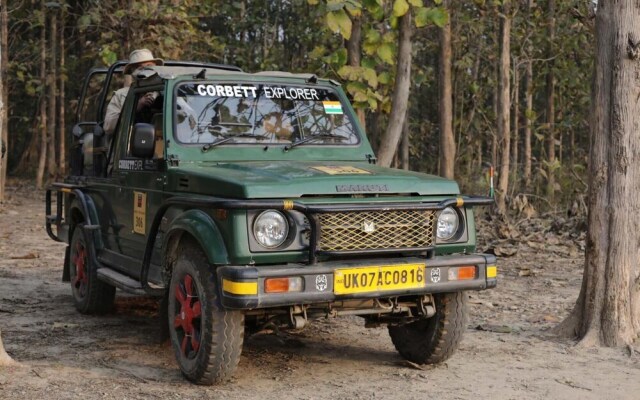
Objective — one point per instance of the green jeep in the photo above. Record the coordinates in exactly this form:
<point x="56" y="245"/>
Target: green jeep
<point x="247" y="200"/>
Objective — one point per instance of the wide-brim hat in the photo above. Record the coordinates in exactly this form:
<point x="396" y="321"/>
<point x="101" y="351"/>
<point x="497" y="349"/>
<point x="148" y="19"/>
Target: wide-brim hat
<point x="139" y="56"/>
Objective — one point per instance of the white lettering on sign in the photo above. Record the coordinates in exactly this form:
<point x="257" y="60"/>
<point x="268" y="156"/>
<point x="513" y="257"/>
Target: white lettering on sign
<point x="227" y="91"/>
<point x="290" y="93"/>
<point x="251" y="91"/>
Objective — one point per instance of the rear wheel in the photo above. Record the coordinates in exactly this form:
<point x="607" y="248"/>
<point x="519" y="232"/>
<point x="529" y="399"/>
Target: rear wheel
<point x="90" y="295"/>
<point x="207" y="340"/>
<point x="435" y="339"/>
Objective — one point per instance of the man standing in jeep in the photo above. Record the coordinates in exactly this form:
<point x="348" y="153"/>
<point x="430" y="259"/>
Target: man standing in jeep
<point x="137" y="59"/>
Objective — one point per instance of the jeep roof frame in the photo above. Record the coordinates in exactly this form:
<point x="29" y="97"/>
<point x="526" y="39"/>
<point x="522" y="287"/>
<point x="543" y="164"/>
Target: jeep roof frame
<point x="118" y="67"/>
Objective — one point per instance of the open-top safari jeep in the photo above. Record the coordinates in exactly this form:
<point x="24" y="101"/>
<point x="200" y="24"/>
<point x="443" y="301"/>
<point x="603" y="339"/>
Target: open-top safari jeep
<point x="254" y="199"/>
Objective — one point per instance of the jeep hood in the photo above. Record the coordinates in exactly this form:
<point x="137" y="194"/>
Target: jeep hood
<point x="286" y="179"/>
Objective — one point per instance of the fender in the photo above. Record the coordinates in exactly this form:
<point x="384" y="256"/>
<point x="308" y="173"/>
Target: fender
<point x="85" y="206"/>
<point x="204" y="230"/>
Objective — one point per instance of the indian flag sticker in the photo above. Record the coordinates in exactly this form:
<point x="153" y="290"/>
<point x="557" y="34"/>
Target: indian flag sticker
<point x="332" y="107"/>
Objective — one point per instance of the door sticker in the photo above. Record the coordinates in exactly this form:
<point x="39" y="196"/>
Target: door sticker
<point x="139" y="212"/>
<point x="341" y="170"/>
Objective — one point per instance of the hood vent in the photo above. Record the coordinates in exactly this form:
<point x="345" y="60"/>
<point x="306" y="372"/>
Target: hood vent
<point x="183" y="183"/>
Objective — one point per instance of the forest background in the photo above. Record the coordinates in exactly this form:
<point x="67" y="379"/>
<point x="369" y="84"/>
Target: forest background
<point x="506" y="83"/>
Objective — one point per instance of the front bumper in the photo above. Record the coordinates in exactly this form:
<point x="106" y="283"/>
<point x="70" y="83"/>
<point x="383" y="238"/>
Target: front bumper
<point x="243" y="286"/>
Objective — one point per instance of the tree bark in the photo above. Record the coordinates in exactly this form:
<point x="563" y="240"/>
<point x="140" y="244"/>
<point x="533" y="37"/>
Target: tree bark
<point x="504" y="106"/>
<point x="551" y="137"/>
<point x="528" y="106"/>
<point x="43" y="102"/>
<point x="4" y="142"/>
<point x="607" y="311"/>
<point x="447" y="140"/>
<point x="516" y="128"/>
<point x="405" y="146"/>
<point x="52" y="166"/>
<point x="62" y="74"/>
<point x="400" y="97"/>
<point x="5" y="360"/>
<point x="354" y="53"/>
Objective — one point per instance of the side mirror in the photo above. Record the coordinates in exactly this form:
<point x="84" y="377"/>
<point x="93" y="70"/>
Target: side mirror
<point x="143" y="140"/>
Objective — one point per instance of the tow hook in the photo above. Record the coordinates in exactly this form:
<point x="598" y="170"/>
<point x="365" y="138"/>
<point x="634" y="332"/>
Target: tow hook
<point x="426" y="306"/>
<point x="297" y="317"/>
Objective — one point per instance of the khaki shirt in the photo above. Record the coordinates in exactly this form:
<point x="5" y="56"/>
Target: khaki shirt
<point x="113" y="110"/>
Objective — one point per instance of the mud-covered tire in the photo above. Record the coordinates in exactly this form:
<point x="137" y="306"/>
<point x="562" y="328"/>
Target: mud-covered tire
<point x="433" y="340"/>
<point x="207" y="340"/>
<point x="90" y="295"/>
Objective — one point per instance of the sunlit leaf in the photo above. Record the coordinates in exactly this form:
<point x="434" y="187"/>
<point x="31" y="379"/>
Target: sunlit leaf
<point x="426" y="16"/>
<point x="384" y="78"/>
<point x="371" y="77"/>
<point x="400" y="8"/>
<point x="387" y="53"/>
<point x="339" y="22"/>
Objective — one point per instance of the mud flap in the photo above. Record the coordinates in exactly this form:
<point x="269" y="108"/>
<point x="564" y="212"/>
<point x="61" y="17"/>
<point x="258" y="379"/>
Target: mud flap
<point x="65" y="269"/>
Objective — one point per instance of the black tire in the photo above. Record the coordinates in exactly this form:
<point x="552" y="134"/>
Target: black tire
<point x="433" y="340"/>
<point x="90" y="295"/>
<point x="207" y="340"/>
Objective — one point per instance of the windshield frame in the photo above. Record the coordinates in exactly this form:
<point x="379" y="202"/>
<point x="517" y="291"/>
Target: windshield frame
<point x="347" y="112"/>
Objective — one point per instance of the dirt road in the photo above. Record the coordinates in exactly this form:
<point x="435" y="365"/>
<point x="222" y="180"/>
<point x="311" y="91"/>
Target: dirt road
<point x="507" y="352"/>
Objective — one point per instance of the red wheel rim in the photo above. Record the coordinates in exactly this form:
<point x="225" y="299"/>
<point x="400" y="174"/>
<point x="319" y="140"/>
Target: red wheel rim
<point x="81" y="279"/>
<point x="187" y="317"/>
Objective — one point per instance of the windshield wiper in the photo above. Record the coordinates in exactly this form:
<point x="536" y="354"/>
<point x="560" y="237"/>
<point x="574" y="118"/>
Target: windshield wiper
<point x="314" y="137"/>
<point x="230" y="138"/>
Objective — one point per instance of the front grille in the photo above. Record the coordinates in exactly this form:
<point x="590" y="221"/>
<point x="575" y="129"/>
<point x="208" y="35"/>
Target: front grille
<point x="376" y="230"/>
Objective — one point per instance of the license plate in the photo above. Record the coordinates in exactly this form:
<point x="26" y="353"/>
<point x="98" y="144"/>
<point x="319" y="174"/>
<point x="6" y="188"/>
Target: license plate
<point x="379" y="278"/>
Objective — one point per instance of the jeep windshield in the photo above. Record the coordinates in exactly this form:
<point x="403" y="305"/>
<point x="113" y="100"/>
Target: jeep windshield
<point x="226" y="113"/>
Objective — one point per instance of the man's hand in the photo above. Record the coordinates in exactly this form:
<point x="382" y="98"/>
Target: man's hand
<point x="146" y="101"/>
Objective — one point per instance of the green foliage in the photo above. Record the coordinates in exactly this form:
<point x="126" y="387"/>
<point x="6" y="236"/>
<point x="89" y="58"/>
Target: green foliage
<point x="309" y="36"/>
<point x="339" y="22"/>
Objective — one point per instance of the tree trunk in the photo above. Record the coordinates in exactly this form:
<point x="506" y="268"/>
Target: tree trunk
<point x="607" y="311"/>
<point x="516" y="128"/>
<point x="354" y="53"/>
<point x="400" y="97"/>
<point x="447" y="140"/>
<point x="43" y="102"/>
<point x="528" y="110"/>
<point x="405" y="146"/>
<point x="4" y="142"/>
<point x="52" y="166"/>
<point x="551" y="137"/>
<point x="5" y="360"/>
<point x="504" y="106"/>
<point x="62" y="73"/>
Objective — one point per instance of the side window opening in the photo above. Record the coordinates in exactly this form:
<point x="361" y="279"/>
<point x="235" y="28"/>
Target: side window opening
<point x="148" y="109"/>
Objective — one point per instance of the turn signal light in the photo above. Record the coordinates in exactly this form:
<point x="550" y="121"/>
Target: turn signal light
<point x="462" y="273"/>
<point x="283" y="285"/>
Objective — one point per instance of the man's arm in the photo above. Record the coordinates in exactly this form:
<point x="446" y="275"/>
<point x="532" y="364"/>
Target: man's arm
<point x="113" y="110"/>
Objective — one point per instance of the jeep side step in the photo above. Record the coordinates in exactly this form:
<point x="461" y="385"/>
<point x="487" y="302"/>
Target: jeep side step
<point x="120" y="281"/>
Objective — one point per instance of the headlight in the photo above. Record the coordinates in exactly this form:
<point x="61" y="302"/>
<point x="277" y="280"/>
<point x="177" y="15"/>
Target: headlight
<point x="270" y="229"/>
<point x="447" y="224"/>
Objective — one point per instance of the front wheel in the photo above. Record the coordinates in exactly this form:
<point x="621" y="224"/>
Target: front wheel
<point x="207" y="340"/>
<point x="435" y="339"/>
<point x="90" y="295"/>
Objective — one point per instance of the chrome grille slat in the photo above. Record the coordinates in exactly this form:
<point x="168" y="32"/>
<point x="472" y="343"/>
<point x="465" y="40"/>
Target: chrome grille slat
<point x="394" y="229"/>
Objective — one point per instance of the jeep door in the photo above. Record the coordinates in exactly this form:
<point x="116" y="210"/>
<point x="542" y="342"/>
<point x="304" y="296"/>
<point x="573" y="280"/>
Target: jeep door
<point x="138" y="192"/>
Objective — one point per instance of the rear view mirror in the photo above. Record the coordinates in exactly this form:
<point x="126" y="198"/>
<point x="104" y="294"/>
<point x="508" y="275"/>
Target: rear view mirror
<point x="143" y="140"/>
